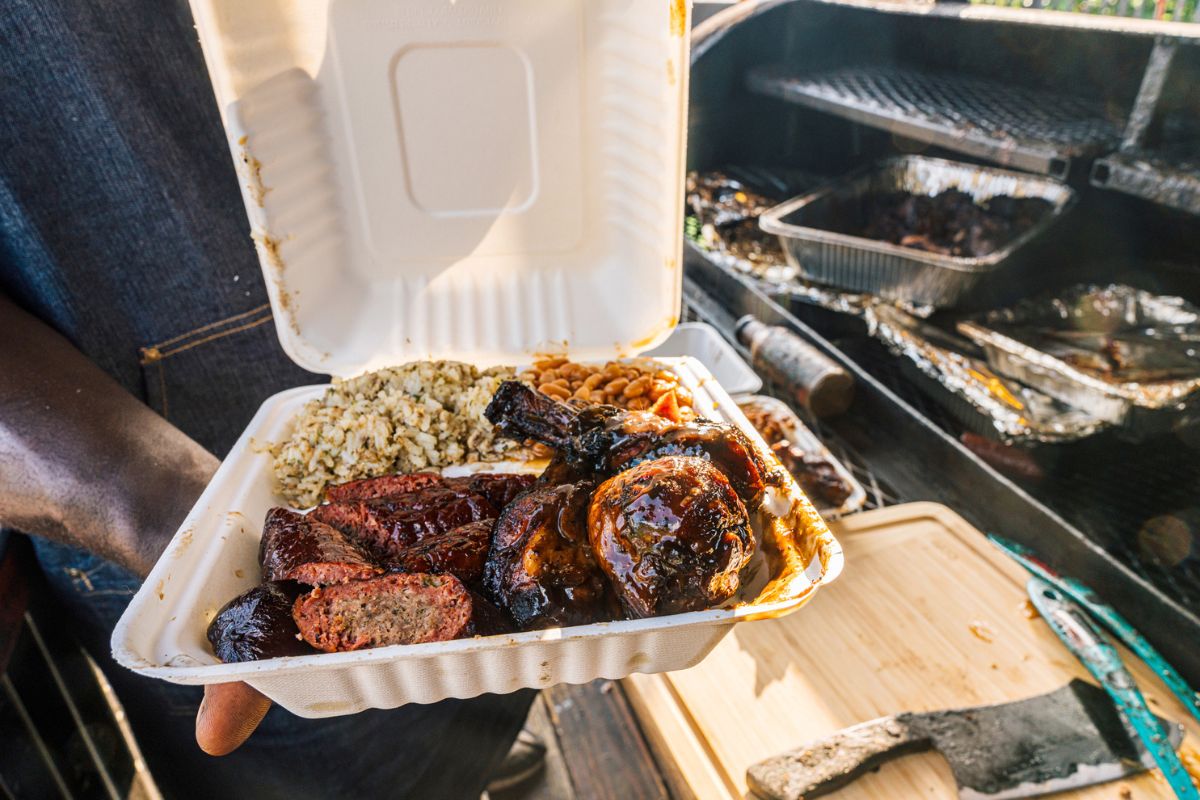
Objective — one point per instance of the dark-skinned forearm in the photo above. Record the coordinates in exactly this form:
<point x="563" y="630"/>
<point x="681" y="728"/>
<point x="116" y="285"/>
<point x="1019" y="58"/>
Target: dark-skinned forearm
<point x="82" y="461"/>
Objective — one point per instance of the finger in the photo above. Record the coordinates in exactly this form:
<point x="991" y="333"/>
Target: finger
<point x="228" y="715"/>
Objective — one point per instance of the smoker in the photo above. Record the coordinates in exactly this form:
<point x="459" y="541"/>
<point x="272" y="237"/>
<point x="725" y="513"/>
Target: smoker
<point x="787" y="96"/>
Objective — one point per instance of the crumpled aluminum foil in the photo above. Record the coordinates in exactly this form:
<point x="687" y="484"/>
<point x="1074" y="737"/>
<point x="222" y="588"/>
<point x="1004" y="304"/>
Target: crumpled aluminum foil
<point x="1016" y="393"/>
<point x="1124" y="355"/>
<point x="988" y="403"/>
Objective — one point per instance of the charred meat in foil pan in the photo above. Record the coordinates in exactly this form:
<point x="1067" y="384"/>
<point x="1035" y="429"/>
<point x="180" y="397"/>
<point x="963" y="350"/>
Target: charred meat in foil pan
<point x="950" y="223"/>
<point x="1119" y="353"/>
<point x="989" y="404"/>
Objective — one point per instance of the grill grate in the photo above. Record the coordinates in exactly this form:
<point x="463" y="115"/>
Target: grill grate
<point x="1028" y="129"/>
<point x="699" y="307"/>
<point x="1105" y="487"/>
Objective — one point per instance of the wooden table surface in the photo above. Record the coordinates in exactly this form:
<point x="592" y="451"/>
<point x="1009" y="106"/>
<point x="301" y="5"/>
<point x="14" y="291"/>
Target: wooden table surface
<point x="928" y="615"/>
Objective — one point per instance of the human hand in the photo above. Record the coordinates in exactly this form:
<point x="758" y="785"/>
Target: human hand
<point x="228" y="715"/>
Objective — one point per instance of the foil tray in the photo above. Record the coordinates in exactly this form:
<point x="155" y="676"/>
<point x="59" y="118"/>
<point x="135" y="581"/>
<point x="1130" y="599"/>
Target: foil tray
<point x="799" y="434"/>
<point x="890" y="271"/>
<point x="1125" y="356"/>
<point x="982" y="401"/>
<point x="722" y="224"/>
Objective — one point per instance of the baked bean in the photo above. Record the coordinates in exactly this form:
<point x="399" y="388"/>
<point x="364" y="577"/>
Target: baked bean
<point x="554" y="390"/>
<point x="631" y="385"/>
<point x="637" y="387"/>
<point x="616" y="386"/>
<point x="659" y="387"/>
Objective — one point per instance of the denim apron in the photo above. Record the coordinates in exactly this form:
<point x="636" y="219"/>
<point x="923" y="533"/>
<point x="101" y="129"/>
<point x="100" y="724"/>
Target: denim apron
<point x="122" y="226"/>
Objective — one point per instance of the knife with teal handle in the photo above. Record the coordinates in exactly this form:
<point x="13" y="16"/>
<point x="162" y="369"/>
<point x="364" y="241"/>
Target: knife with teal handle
<point x="1106" y="614"/>
<point x="1083" y="638"/>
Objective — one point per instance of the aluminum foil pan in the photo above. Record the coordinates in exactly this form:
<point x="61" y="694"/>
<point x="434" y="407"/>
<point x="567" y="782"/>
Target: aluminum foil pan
<point x="723" y="225"/>
<point x="805" y="228"/>
<point x="723" y="222"/>
<point x="1123" y="355"/>
<point x="984" y="402"/>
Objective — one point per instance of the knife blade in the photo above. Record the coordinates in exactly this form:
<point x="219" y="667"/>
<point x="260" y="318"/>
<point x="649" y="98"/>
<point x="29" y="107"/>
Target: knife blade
<point x="1066" y="739"/>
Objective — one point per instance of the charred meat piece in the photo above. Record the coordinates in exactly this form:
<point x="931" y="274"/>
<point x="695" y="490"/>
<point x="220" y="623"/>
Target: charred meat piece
<point x="297" y="548"/>
<point x="500" y="488"/>
<point x="816" y="474"/>
<point x="385" y="486"/>
<point x="603" y="440"/>
<point x="391" y="609"/>
<point x="386" y="527"/>
<point x="486" y="618"/>
<point x="540" y="567"/>
<point x="518" y="411"/>
<point x="671" y="534"/>
<point x="257" y="624"/>
<point x="562" y="470"/>
<point x="461" y="552"/>
<point x="632" y="440"/>
<point x="949" y="223"/>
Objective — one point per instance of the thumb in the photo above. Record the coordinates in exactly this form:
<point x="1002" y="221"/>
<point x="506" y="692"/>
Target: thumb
<point x="228" y="715"/>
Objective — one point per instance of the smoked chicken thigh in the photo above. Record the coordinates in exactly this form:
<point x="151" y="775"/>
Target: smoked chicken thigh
<point x="540" y="566"/>
<point x="601" y="441"/>
<point x="671" y="534"/>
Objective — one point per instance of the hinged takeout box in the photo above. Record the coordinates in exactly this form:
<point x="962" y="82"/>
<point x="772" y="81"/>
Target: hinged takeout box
<point x="480" y="180"/>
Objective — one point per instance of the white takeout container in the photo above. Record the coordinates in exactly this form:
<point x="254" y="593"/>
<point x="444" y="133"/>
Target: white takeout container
<point x="214" y="557"/>
<point x="463" y="179"/>
<point x="702" y="342"/>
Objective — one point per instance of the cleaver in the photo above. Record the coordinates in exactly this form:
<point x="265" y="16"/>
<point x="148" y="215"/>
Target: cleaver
<point x="1069" y="738"/>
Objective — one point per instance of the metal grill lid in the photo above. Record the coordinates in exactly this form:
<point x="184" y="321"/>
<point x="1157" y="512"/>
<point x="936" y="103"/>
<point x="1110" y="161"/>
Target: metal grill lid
<point x="463" y="179"/>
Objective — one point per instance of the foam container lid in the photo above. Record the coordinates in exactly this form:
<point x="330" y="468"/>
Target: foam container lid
<point x="468" y="179"/>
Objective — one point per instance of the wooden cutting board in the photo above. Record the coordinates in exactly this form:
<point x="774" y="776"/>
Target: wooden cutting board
<point x="928" y="615"/>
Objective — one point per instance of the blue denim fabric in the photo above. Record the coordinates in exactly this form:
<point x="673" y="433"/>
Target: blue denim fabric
<point x="121" y="225"/>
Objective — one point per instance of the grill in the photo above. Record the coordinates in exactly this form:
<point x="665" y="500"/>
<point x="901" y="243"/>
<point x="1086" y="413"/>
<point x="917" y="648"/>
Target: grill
<point x="774" y="87"/>
<point x="1163" y="168"/>
<point x="1108" y="499"/>
<point x="1028" y="129"/>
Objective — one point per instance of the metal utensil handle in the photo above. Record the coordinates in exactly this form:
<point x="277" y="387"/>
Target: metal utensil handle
<point x="830" y="763"/>
<point x="1119" y="626"/>
<point x="1081" y="636"/>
